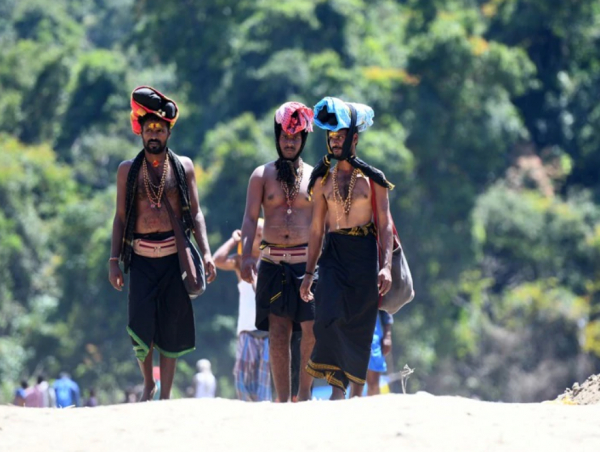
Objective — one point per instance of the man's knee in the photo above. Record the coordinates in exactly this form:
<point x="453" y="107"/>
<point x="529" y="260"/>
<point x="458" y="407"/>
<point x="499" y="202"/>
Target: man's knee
<point x="308" y="330"/>
<point x="280" y="329"/>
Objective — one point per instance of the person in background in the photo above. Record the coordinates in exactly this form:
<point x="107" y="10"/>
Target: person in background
<point x="204" y="381"/>
<point x="251" y="370"/>
<point x="67" y="391"/>
<point x="47" y="393"/>
<point x="19" y="399"/>
<point x="92" y="400"/>
<point x="380" y="348"/>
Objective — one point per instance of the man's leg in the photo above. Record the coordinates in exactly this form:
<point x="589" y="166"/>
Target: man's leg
<point x="296" y="365"/>
<point x="337" y="394"/>
<point x="167" y="373"/>
<point x="373" y="383"/>
<point x="280" y="333"/>
<point x="356" y="390"/>
<point x="306" y="348"/>
<point x="146" y="368"/>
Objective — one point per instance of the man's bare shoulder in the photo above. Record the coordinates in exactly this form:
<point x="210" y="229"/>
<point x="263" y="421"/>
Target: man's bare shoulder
<point x="264" y="171"/>
<point x="126" y="164"/>
<point x="124" y="167"/>
<point x="319" y="186"/>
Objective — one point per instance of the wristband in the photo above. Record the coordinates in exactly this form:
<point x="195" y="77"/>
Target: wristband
<point x="309" y="273"/>
<point x="113" y="259"/>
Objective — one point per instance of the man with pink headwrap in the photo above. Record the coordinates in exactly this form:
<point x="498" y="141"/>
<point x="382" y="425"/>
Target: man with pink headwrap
<point x="280" y="189"/>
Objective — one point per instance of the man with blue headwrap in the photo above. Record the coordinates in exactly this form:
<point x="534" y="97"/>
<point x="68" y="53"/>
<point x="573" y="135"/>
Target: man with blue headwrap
<point x="350" y="279"/>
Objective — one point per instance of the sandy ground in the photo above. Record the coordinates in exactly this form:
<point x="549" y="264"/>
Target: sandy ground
<point x="387" y="422"/>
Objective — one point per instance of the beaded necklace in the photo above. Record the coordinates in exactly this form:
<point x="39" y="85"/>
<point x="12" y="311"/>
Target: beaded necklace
<point x="155" y="192"/>
<point x="337" y="196"/>
<point x="290" y="195"/>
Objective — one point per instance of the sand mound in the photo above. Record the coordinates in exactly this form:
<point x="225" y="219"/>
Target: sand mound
<point x="587" y="393"/>
<point x="421" y="423"/>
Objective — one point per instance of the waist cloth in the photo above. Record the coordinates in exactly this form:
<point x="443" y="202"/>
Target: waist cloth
<point x="252" y="372"/>
<point x="346" y="306"/>
<point x="278" y="293"/>
<point x="160" y="310"/>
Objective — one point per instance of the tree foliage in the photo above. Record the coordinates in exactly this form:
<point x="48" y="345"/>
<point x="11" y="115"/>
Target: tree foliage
<point x="485" y="121"/>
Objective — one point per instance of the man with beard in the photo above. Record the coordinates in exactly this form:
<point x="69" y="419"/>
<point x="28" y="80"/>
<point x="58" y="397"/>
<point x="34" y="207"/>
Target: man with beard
<point x="280" y="188"/>
<point x="160" y="310"/>
<point x="350" y="280"/>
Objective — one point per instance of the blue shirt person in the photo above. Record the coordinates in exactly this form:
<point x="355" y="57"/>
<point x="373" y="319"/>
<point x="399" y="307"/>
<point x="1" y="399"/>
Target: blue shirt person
<point x="67" y="391"/>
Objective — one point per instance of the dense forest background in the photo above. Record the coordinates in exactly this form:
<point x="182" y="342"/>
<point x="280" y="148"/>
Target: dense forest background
<point x="487" y="120"/>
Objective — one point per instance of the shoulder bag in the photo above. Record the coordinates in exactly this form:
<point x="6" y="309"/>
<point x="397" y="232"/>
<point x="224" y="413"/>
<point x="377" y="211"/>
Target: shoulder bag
<point x="402" y="291"/>
<point x="190" y="262"/>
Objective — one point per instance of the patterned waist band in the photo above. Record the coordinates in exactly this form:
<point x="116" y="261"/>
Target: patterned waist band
<point x="283" y="253"/>
<point x="358" y="231"/>
<point x="155" y="248"/>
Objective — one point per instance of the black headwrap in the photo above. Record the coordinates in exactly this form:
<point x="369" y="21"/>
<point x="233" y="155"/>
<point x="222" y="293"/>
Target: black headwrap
<point x="321" y="169"/>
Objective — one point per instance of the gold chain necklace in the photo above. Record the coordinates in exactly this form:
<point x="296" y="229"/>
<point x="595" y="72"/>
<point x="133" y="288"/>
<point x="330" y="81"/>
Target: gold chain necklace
<point x="337" y="196"/>
<point x="290" y="195"/>
<point x="154" y="192"/>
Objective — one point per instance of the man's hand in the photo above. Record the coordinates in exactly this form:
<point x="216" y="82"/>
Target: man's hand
<point x="115" y="275"/>
<point x="305" y="292"/>
<point x="237" y="236"/>
<point x="248" y="271"/>
<point x="209" y="268"/>
<point x="384" y="281"/>
<point x="386" y="344"/>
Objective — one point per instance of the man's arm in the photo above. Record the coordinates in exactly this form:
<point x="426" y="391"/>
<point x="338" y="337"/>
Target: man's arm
<point x="115" y="275"/>
<point x="223" y="257"/>
<point x="254" y="198"/>
<point x="315" y="239"/>
<point x="384" y="218"/>
<point x="199" y="224"/>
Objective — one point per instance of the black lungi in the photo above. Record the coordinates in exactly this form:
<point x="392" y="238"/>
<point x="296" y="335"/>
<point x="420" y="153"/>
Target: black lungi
<point x="347" y="300"/>
<point x="160" y="310"/>
<point x="278" y="293"/>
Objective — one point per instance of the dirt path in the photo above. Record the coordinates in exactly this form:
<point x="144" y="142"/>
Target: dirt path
<point x="390" y="422"/>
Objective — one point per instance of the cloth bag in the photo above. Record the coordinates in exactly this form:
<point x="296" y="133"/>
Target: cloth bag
<point x="402" y="291"/>
<point x="190" y="262"/>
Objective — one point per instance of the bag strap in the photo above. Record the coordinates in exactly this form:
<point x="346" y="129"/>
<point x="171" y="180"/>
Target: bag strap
<point x="396" y="237"/>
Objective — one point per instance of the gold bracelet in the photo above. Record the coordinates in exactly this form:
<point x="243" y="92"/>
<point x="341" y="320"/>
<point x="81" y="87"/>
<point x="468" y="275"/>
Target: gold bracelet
<point x="113" y="259"/>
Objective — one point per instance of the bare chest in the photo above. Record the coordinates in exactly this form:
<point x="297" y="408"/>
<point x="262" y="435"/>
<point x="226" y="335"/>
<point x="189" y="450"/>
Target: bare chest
<point x="348" y="193"/>
<point x="278" y="194"/>
<point x="152" y="215"/>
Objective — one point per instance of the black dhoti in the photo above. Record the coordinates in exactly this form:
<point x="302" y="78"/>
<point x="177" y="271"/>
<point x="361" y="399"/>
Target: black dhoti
<point x="278" y="293"/>
<point x="346" y="302"/>
<point x="160" y="310"/>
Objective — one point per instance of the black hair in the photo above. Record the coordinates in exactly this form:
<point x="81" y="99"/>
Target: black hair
<point x="286" y="172"/>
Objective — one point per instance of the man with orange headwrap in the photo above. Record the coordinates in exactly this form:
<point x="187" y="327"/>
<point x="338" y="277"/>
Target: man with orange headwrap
<point x="280" y="188"/>
<point x="160" y="310"/>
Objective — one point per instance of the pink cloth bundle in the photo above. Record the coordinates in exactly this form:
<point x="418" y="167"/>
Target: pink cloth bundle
<point x="294" y="117"/>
